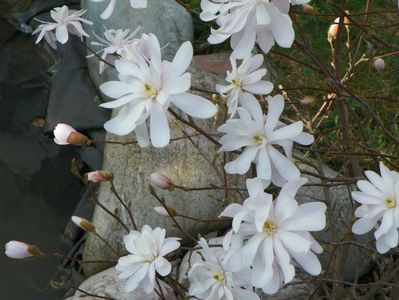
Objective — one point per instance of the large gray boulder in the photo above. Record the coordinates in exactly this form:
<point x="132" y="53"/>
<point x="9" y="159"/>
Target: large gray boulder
<point x="167" y="19"/>
<point x="107" y="284"/>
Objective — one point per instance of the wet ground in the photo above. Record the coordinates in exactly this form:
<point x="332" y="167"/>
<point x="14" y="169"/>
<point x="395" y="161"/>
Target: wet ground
<point x="38" y="193"/>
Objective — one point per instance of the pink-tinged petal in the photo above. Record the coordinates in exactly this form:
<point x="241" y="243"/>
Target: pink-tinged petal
<point x="243" y="162"/>
<point x="159" y="126"/>
<point x="193" y="105"/>
<point x="61" y="33"/>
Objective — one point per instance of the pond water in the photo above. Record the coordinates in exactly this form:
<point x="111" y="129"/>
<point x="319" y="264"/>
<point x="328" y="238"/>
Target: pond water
<point x="38" y="193"/>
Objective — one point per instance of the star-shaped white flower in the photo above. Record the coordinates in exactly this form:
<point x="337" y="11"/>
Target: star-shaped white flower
<point x="247" y="77"/>
<point x="147" y="250"/>
<point x="112" y="4"/>
<point x="115" y="42"/>
<point x="379" y="199"/>
<point x="258" y="135"/>
<point x="67" y="22"/>
<point x="250" y="21"/>
<point x="210" y="279"/>
<point x="147" y="90"/>
<point x="273" y="234"/>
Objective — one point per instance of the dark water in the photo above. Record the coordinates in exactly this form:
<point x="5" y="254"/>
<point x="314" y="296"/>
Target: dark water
<point x="37" y="192"/>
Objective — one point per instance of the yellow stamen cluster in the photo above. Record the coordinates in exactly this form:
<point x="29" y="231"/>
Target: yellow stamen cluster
<point x="269" y="227"/>
<point x="236" y="82"/>
<point x="390" y="203"/>
<point x="219" y="277"/>
<point x="258" y="139"/>
<point x="150" y="90"/>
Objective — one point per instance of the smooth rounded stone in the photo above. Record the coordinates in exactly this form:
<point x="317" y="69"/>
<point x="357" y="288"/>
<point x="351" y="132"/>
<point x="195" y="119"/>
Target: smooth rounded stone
<point x="107" y="284"/>
<point x="183" y="164"/>
<point x="167" y="19"/>
<point x="339" y="219"/>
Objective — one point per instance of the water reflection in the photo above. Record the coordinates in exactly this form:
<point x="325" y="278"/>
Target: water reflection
<point x="38" y="194"/>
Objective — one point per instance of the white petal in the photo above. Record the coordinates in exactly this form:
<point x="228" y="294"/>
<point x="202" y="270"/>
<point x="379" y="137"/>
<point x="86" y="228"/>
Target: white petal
<point x="194" y="105"/>
<point x="162" y="266"/>
<point x="386" y="224"/>
<point x="116" y="89"/>
<point x="260" y="88"/>
<point x="285" y="167"/>
<point x="263" y="168"/>
<point x="288" y="132"/>
<point x="159" y="126"/>
<point x="308" y="217"/>
<point x="276" y="106"/>
<point x="61" y="33"/>
<point x="252" y="105"/>
<point x="363" y="225"/>
<point x="242" y="163"/>
<point x="308" y="261"/>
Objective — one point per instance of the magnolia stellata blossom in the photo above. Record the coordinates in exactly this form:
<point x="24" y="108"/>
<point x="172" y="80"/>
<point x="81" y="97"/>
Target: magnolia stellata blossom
<point x="274" y="232"/>
<point x="67" y="22"/>
<point x="250" y="21"/>
<point x="112" y="3"/>
<point x="147" y="89"/>
<point x="115" y="42"/>
<point x="258" y="135"/>
<point x="210" y="279"/>
<point x="147" y="250"/>
<point x="247" y="77"/>
<point x="379" y="198"/>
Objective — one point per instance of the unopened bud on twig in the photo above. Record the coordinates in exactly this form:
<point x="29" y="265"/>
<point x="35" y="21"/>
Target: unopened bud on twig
<point x="333" y="30"/>
<point x="378" y="64"/>
<point x="162" y="211"/>
<point x="20" y="250"/>
<point x="307" y="100"/>
<point x="161" y="181"/>
<point x="99" y="175"/>
<point x="83" y="223"/>
<point x="307" y="8"/>
<point x="67" y="135"/>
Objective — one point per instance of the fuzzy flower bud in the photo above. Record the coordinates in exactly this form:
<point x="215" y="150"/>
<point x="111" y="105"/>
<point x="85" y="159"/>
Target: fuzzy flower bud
<point x="83" y="223"/>
<point x="98" y="176"/>
<point x="161" y="181"/>
<point x="307" y="100"/>
<point x="309" y="9"/>
<point x="333" y="30"/>
<point x="162" y="211"/>
<point x="20" y="250"/>
<point x="378" y="64"/>
<point x="67" y="135"/>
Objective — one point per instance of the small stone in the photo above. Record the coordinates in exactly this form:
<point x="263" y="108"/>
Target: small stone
<point x="107" y="284"/>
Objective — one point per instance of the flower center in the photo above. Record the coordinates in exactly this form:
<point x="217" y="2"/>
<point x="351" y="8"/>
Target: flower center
<point x="269" y="227"/>
<point x="150" y="90"/>
<point x="219" y="277"/>
<point x="390" y="203"/>
<point x="258" y="139"/>
<point x="236" y="82"/>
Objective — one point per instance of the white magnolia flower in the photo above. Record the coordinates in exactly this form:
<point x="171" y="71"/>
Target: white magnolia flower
<point x="247" y="77"/>
<point x="147" y="90"/>
<point x="250" y="21"/>
<point x="67" y="21"/>
<point x="274" y="233"/>
<point x="258" y="135"/>
<point x="115" y="42"/>
<point x="112" y="3"/>
<point x="379" y="198"/>
<point x="211" y="280"/>
<point x="147" y="250"/>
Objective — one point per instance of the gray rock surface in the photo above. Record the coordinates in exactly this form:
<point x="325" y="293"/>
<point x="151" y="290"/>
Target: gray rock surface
<point x="167" y="19"/>
<point x="107" y="284"/>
